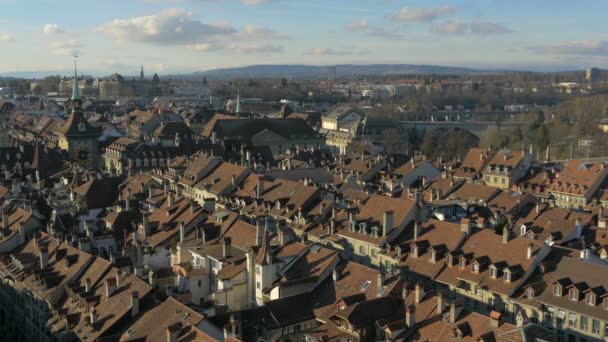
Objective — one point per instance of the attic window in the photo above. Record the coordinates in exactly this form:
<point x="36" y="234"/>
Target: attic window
<point x="557" y="290"/>
<point x="476" y="267"/>
<point x="81" y="127"/>
<point x="494" y="273"/>
<point x="462" y="263"/>
<point x="433" y="256"/>
<point x="508" y="277"/>
<point x="530" y="293"/>
<point x="590" y="299"/>
<point x="450" y="260"/>
<point x="573" y="295"/>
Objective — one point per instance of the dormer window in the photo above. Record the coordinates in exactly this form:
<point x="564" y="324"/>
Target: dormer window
<point x="530" y="293"/>
<point x="590" y="299"/>
<point x="557" y="290"/>
<point x="450" y="260"/>
<point x="573" y="295"/>
<point x="494" y="272"/>
<point x="530" y="234"/>
<point x="605" y="303"/>
<point x="433" y="256"/>
<point x="508" y="276"/>
<point x="462" y="263"/>
<point x="475" y="267"/>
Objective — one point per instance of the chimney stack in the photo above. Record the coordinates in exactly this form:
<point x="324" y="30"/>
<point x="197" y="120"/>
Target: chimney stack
<point x="44" y="257"/>
<point x="440" y="303"/>
<point x="87" y="285"/>
<point x="182" y="232"/>
<point x="260" y="189"/>
<point x="259" y="231"/>
<point x="452" y="313"/>
<point x="227" y="247"/>
<point x="416" y="230"/>
<point x="419" y="293"/>
<point x="529" y="251"/>
<point x="134" y="303"/>
<point x="93" y="317"/>
<point x="170" y="199"/>
<point x="380" y="279"/>
<point x="409" y="316"/>
<point x="505" y="235"/>
<point x="173" y="332"/>
<point x="388" y="223"/>
<point x="111" y="286"/>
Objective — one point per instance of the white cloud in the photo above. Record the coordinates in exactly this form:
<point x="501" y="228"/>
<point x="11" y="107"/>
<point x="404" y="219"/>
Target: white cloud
<point x="357" y="25"/>
<point x="582" y="48"/>
<point x="450" y="27"/>
<point x="454" y="27"/>
<point x="320" y="51"/>
<point x="256" y="2"/>
<point x="260" y="33"/>
<point x="51" y="29"/>
<point x="6" y="38"/>
<point x="66" y="48"/>
<point x="485" y="28"/>
<point x="411" y="14"/>
<point x="247" y="48"/>
<point x="172" y="26"/>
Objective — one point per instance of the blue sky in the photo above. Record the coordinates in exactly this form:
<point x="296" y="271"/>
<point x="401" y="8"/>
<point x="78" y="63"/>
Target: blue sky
<point x="175" y="36"/>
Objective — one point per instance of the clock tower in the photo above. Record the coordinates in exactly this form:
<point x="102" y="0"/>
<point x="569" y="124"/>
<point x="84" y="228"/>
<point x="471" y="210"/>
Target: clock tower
<point x="77" y="136"/>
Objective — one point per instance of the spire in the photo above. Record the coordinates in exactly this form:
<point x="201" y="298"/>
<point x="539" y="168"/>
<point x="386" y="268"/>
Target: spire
<point x="141" y="73"/>
<point x="75" y="90"/>
<point x="238" y="100"/>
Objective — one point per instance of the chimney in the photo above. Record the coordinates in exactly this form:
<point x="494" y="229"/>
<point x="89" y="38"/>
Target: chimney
<point x="416" y="230"/>
<point x="5" y="216"/>
<point x="173" y="332"/>
<point x="233" y="181"/>
<point x="335" y="274"/>
<point x="465" y="226"/>
<point x="150" y="192"/>
<point x="452" y="313"/>
<point x="260" y="189"/>
<point x="134" y="303"/>
<point x="529" y="251"/>
<point x="505" y="235"/>
<point x="495" y="319"/>
<point x="404" y="291"/>
<point x="44" y="257"/>
<point x="380" y="279"/>
<point x="332" y="227"/>
<point x="387" y="226"/>
<point x="259" y="231"/>
<point x="409" y="316"/>
<point x="419" y="293"/>
<point x="537" y="208"/>
<point x="87" y="285"/>
<point x="146" y="226"/>
<point x="440" y="303"/>
<point x="111" y="286"/>
<point x="170" y="200"/>
<point x="93" y="317"/>
<point x="227" y="247"/>
<point x="182" y="232"/>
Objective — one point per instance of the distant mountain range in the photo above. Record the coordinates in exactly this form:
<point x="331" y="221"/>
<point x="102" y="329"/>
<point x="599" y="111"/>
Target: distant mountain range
<point x="309" y="71"/>
<point x="296" y="71"/>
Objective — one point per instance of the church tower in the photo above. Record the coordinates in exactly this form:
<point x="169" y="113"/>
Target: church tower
<point x="141" y="73"/>
<point x="77" y="136"/>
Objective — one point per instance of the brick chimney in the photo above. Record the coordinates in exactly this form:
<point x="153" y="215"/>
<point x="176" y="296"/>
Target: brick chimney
<point x="87" y="285"/>
<point x="505" y="235"/>
<point x="440" y="303"/>
<point x="409" y="316"/>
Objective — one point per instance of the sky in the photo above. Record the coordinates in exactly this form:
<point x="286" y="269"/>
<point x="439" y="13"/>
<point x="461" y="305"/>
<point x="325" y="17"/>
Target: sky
<point x="181" y="36"/>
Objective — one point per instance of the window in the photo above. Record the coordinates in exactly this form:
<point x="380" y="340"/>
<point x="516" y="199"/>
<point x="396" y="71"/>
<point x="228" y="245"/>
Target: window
<point x="362" y="250"/>
<point x="557" y="290"/>
<point x="81" y="127"/>
<point x="572" y="319"/>
<point x="530" y="293"/>
<point x="573" y="295"/>
<point x="414" y="251"/>
<point x="200" y="283"/>
<point x="495" y="179"/>
<point x="258" y="285"/>
<point x="433" y="256"/>
<point x="584" y="323"/>
<point x="503" y="180"/>
<point x="373" y="252"/>
<point x="463" y="263"/>
<point x="450" y="260"/>
<point x="508" y="276"/>
<point x="476" y="267"/>
<point x="258" y="270"/>
<point x="590" y="299"/>
<point x="494" y="273"/>
<point x="595" y="326"/>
